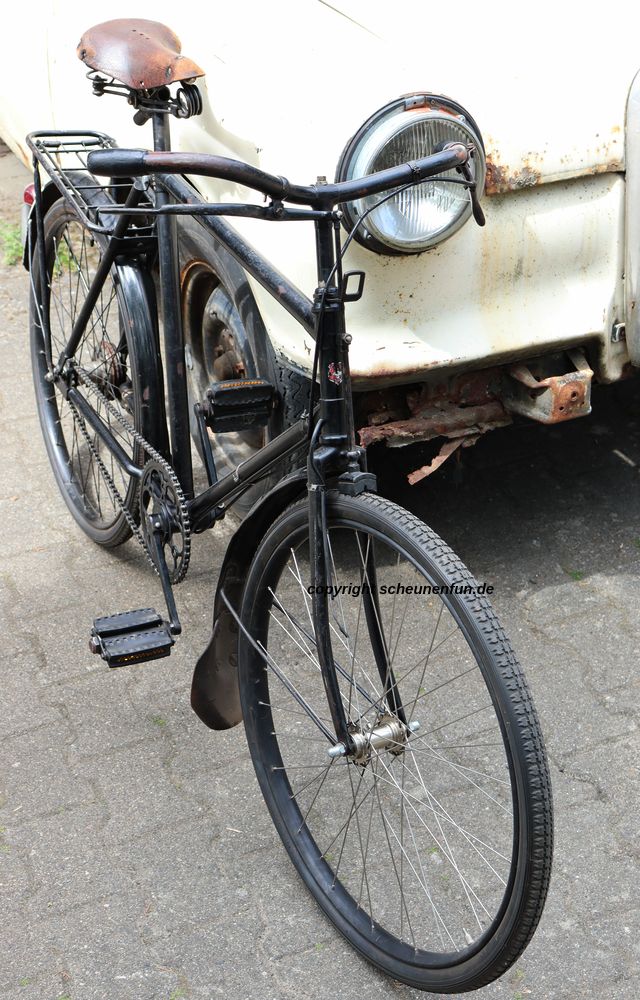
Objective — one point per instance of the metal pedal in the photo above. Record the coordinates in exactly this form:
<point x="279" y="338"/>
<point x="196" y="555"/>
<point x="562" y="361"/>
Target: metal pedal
<point x="131" y="637"/>
<point x="238" y="404"/>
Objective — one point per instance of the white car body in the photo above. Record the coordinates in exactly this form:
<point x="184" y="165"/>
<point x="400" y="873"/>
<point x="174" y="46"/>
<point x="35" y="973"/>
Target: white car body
<point x="288" y="83"/>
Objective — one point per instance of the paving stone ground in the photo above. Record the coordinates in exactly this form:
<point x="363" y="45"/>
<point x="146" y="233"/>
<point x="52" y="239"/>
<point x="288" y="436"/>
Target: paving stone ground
<point x="137" y="860"/>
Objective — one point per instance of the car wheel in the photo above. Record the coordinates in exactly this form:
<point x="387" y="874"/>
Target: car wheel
<point x="218" y="347"/>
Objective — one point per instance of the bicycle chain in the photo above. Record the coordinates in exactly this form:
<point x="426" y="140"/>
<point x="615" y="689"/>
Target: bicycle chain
<point x="113" y="489"/>
<point x="185" y="524"/>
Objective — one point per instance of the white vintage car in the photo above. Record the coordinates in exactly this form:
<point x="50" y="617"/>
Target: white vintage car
<point x="483" y="323"/>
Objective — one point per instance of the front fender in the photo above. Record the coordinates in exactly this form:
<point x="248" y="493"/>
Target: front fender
<point x="215" y="695"/>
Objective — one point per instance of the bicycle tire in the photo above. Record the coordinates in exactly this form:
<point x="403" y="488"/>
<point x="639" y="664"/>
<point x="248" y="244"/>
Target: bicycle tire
<point x="118" y="354"/>
<point x="452" y="901"/>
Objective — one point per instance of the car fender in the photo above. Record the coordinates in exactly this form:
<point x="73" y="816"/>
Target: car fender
<point x="215" y="695"/>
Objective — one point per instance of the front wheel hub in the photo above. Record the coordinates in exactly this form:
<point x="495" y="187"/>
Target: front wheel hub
<point x="389" y="734"/>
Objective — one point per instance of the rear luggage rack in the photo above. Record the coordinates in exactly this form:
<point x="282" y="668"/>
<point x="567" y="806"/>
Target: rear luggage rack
<point x="63" y="156"/>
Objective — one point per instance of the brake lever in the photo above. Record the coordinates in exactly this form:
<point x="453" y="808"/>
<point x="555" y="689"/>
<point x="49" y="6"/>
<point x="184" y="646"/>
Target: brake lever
<point x="476" y="208"/>
<point x="465" y="170"/>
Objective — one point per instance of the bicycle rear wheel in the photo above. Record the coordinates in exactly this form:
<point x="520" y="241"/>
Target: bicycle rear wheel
<point x="116" y="367"/>
<point x="431" y="851"/>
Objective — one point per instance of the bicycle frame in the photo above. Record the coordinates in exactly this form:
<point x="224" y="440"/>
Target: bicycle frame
<point x="329" y="428"/>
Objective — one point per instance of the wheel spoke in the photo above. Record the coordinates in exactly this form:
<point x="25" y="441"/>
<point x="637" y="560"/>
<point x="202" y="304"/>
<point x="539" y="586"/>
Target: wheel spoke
<point x="439" y="815"/>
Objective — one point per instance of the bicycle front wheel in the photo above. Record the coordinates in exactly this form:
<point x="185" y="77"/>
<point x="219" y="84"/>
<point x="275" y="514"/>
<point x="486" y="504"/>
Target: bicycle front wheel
<point x="430" y="849"/>
<point x="116" y="368"/>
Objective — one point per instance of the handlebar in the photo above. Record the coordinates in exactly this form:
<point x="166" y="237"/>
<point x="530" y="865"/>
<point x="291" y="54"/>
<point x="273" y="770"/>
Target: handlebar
<point x="139" y="162"/>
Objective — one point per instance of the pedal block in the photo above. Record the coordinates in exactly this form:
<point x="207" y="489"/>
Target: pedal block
<point x="238" y="404"/>
<point x="131" y="637"/>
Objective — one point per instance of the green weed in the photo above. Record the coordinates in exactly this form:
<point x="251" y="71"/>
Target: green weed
<point x="11" y="238"/>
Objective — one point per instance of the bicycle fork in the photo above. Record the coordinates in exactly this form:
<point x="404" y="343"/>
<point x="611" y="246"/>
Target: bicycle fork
<point x="333" y="451"/>
<point x="391" y="727"/>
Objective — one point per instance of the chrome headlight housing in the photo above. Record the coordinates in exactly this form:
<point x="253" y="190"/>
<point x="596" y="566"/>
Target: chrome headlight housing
<point x="419" y="217"/>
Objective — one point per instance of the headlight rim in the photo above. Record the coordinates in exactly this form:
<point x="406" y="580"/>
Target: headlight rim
<point x="415" y="101"/>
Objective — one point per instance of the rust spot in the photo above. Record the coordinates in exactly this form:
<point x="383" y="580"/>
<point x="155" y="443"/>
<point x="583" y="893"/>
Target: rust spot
<point x="500" y="178"/>
<point x="464" y="389"/>
<point x="385" y="369"/>
<point x="446" y="421"/>
<point x="611" y="167"/>
<point x="528" y="171"/>
<point x="189" y="267"/>
<point x="447" y="449"/>
<point x="467" y="389"/>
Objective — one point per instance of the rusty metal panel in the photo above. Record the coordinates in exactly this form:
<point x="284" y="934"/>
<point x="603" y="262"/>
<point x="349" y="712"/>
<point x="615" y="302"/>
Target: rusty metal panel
<point x="546" y="272"/>
<point x="551" y="399"/>
<point x="446" y="421"/>
<point x="531" y="168"/>
<point x="461" y="408"/>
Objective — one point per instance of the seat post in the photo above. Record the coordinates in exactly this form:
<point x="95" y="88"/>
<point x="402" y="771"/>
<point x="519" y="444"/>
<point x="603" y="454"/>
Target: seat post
<point x="179" y="431"/>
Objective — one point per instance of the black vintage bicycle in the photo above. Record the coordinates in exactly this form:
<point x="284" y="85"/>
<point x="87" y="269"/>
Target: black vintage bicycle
<point x="391" y="729"/>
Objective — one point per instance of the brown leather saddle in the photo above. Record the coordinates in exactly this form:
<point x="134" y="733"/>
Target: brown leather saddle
<point x="141" y="54"/>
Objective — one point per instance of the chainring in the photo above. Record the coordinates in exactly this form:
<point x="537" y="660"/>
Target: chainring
<point x="163" y="503"/>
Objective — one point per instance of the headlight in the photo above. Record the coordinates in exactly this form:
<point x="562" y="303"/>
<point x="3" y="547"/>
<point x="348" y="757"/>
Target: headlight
<point x="418" y="217"/>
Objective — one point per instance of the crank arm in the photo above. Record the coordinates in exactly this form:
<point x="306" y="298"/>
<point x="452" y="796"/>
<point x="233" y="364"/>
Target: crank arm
<point x="165" y="580"/>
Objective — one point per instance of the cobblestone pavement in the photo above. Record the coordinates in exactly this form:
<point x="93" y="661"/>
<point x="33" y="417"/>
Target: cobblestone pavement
<point x="137" y="859"/>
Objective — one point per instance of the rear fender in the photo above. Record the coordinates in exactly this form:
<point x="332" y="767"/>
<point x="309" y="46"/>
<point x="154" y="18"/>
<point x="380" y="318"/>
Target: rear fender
<point x="50" y="193"/>
<point x="215" y="695"/>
